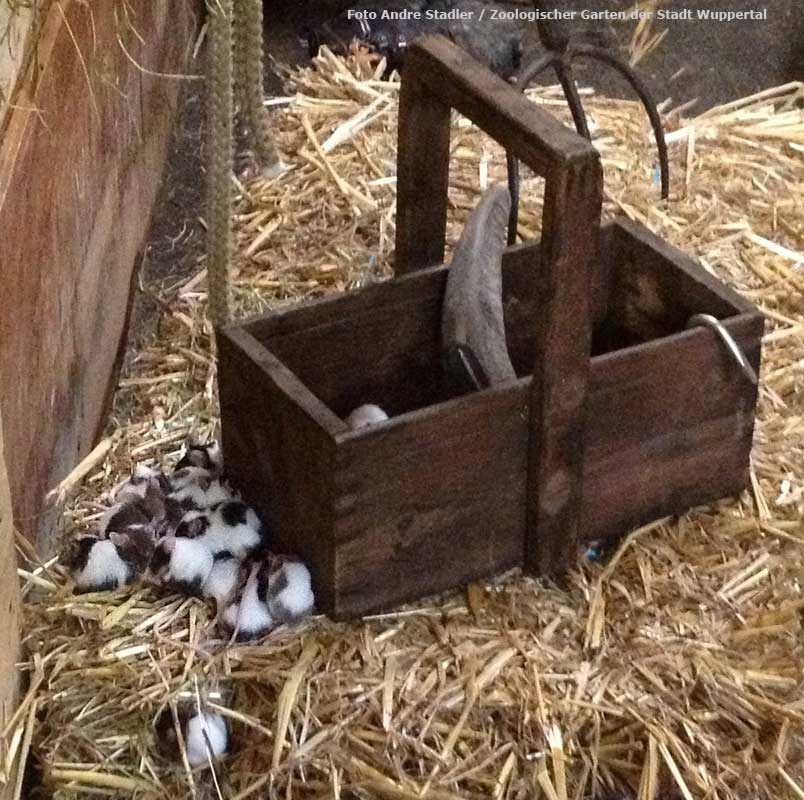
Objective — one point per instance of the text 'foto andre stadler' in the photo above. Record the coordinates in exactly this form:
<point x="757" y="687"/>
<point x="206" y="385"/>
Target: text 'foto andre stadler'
<point x="409" y="14"/>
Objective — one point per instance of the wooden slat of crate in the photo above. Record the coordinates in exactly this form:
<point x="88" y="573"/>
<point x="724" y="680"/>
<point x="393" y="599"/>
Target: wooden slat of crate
<point x="434" y="500"/>
<point x="278" y="441"/>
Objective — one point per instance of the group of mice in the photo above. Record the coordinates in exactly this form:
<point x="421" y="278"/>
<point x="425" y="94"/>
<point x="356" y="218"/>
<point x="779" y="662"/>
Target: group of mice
<point x="188" y="532"/>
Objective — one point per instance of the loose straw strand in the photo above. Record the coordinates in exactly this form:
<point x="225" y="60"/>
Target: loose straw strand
<point x="219" y="171"/>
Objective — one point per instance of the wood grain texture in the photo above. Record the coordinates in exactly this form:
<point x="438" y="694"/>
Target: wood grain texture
<point x="422" y="177"/>
<point x="78" y="180"/>
<point x="534" y="136"/>
<point x="669" y="425"/>
<point x="9" y="607"/>
<point x="430" y="500"/>
<point x="562" y="351"/>
<point x="278" y="442"/>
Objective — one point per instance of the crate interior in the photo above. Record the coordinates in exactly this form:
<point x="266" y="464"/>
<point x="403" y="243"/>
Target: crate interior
<point x="382" y="345"/>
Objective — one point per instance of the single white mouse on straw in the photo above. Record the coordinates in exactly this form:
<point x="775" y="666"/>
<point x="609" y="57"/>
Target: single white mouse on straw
<point x="368" y="414"/>
<point x="206" y="736"/>
<point x="204" y="733"/>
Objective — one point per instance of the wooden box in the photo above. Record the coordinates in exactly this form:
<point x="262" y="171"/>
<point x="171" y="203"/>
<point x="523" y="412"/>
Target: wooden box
<point x="619" y="414"/>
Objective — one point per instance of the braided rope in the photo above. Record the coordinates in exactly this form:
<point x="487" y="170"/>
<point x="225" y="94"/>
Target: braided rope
<point x="219" y="167"/>
<point x="249" y="64"/>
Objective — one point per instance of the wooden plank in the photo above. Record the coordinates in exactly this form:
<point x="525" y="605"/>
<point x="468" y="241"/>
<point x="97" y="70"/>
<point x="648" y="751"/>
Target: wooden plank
<point x="422" y="177"/>
<point x="389" y="355"/>
<point x="657" y="287"/>
<point x="633" y="392"/>
<point x="430" y="501"/>
<point x="440" y="76"/>
<point x="562" y="345"/>
<point x="277" y="454"/>
<point x="9" y="607"/>
<point x="535" y="137"/>
<point x="77" y="183"/>
<point x="669" y="425"/>
<point x="334" y="311"/>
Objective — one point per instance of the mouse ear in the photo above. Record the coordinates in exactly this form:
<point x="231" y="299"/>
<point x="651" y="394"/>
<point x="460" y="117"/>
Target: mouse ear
<point x="120" y="539"/>
<point x="168" y="543"/>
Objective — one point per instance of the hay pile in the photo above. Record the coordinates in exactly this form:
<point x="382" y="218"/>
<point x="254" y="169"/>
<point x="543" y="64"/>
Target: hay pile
<point x="673" y="671"/>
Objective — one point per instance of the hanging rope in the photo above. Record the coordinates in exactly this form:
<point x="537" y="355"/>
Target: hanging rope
<point x="249" y="72"/>
<point x="235" y="51"/>
<point x="219" y="166"/>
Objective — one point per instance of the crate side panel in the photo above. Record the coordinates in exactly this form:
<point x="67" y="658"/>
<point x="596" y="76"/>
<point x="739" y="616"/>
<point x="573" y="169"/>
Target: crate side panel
<point x="657" y="287"/>
<point x="387" y="354"/>
<point x="431" y="502"/>
<point x="277" y="456"/>
<point x="669" y="426"/>
<point x="669" y="474"/>
<point x="382" y="344"/>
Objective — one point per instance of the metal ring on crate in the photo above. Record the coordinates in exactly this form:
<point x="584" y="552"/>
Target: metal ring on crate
<point x="707" y="320"/>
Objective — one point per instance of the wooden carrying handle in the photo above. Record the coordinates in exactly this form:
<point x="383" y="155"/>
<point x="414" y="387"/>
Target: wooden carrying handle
<point x="438" y="77"/>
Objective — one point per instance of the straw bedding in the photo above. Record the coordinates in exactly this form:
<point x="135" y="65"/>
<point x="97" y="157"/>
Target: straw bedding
<point x="674" y="670"/>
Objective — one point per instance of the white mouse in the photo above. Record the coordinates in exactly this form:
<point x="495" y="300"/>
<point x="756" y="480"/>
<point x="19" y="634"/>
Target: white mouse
<point x="225" y="578"/>
<point x="248" y="615"/>
<point x="231" y="527"/>
<point x="366" y="415"/>
<point x="290" y="592"/>
<point x="181" y="564"/>
<point x="206" y="735"/>
<point x="97" y="566"/>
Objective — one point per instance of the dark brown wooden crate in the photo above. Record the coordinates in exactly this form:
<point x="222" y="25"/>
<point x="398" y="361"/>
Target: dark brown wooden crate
<point x="618" y="415"/>
<point x="436" y="496"/>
